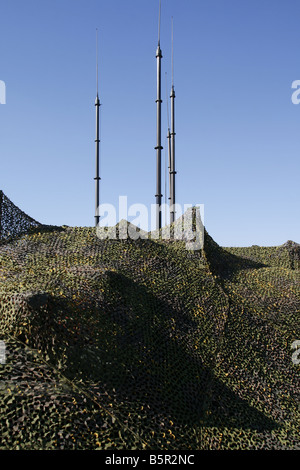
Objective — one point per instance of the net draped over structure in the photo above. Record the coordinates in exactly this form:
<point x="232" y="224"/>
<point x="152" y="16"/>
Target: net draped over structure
<point x="144" y="344"/>
<point x="13" y="221"/>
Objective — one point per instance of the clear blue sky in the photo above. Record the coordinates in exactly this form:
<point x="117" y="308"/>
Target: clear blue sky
<point x="237" y="130"/>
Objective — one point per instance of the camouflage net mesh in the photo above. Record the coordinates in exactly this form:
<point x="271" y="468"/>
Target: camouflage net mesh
<point x="142" y="344"/>
<point x="13" y="221"/>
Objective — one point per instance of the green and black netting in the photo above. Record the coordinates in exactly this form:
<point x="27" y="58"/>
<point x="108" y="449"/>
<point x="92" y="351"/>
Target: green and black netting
<point x="143" y="344"/>
<point x="13" y="221"/>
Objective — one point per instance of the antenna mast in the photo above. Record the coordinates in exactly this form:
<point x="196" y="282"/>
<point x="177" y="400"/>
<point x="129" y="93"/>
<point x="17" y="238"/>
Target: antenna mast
<point x="97" y="141"/>
<point x="169" y="139"/>
<point x="158" y="147"/>
<point x="172" y="135"/>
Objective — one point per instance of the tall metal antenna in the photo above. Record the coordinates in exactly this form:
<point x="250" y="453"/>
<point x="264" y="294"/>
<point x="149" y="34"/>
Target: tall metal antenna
<point x="158" y="147"/>
<point x="97" y="60"/>
<point x="167" y="157"/>
<point x="169" y="138"/>
<point x="172" y="53"/>
<point x="172" y="165"/>
<point x="166" y="192"/>
<point x="97" y="141"/>
<point x="159" y="15"/>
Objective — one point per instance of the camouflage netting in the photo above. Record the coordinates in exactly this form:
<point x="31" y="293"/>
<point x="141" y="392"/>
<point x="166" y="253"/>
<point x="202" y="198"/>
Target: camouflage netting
<point x="143" y="344"/>
<point x="13" y="221"/>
